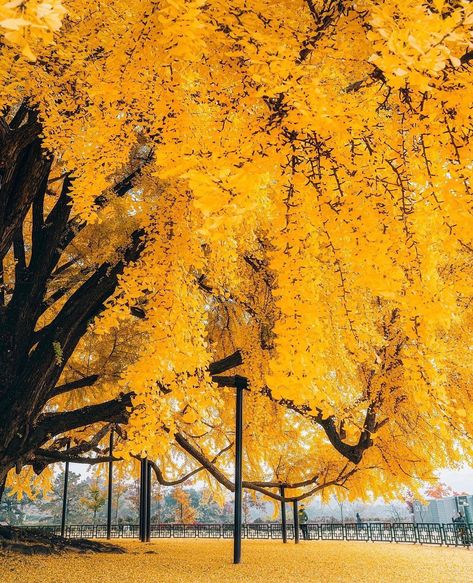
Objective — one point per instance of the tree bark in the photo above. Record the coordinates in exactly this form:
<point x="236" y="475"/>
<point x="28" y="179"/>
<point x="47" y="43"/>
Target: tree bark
<point x="40" y="542"/>
<point x="29" y="365"/>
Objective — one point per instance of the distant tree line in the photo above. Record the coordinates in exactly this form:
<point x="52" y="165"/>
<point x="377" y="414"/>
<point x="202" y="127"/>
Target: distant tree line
<point x="87" y="503"/>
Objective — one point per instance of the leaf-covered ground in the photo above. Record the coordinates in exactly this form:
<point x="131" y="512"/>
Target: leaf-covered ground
<point x="200" y="561"/>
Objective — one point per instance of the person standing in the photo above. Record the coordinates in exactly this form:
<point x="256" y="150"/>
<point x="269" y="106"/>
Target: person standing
<point x="358" y="519"/>
<point x="461" y="528"/>
<point x="303" y="520"/>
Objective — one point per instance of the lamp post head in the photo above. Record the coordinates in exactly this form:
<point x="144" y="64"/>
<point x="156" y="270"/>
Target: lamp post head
<point x="241" y="382"/>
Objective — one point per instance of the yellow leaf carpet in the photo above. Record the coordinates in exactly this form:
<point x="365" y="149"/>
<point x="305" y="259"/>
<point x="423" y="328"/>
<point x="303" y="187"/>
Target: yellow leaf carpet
<point x="200" y="561"/>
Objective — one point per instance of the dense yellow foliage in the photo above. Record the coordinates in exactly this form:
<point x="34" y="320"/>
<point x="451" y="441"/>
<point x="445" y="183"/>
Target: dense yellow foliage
<point x="308" y="201"/>
<point x="26" y="23"/>
<point x="197" y="561"/>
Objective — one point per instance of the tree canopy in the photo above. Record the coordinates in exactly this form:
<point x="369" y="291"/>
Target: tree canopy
<point x="288" y="180"/>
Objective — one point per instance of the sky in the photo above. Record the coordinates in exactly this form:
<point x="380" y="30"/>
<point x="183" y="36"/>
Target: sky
<point x="460" y="480"/>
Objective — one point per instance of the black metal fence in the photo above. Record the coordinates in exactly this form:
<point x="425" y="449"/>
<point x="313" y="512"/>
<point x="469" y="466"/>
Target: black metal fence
<point x="427" y="533"/>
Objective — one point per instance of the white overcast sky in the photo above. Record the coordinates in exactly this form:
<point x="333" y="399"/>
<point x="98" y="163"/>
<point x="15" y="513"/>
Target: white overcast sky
<point x="459" y="480"/>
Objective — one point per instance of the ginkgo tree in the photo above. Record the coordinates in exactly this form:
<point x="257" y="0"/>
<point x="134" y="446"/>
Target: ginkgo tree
<point x="306" y="200"/>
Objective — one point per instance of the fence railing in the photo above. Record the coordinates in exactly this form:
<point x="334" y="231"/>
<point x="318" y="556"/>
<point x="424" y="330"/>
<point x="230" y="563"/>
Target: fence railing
<point x="426" y="533"/>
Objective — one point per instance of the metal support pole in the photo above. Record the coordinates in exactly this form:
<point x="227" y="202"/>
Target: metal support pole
<point x="296" y="520"/>
<point x="140" y="507"/>
<point x="283" y="514"/>
<point x="64" y="495"/>
<point x="140" y="490"/>
<point x="240" y="386"/>
<point x="148" y="502"/>
<point x="110" y="488"/>
<point x="143" y="498"/>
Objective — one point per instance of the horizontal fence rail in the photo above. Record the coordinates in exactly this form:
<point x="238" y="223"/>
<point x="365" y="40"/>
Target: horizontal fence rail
<point x="426" y="533"/>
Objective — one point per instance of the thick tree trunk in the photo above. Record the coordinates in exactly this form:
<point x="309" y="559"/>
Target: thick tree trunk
<point x="29" y="366"/>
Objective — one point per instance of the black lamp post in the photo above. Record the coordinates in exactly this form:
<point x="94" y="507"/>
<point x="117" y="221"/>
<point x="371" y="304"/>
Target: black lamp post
<point x="148" y="502"/>
<point x="64" y="494"/>
<point x="283" y="514"/>
<point x="241" y="383"/>
<point x="110" y="488"/>
<point x="296" y="521"/>
<point x="143" y="499"/>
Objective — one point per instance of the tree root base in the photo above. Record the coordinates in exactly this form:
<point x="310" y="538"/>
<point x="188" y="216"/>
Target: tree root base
<point x="35" y="542"/>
